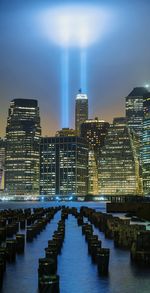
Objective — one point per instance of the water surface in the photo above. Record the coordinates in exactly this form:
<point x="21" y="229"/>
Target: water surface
<point x="77" y="272"/>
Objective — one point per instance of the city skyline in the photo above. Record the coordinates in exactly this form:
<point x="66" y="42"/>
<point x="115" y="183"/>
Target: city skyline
<point x="74" y="146"/>
<point x="114" y="156"/>
<point x="29" y="67"/>
<point x="73" y="125"/>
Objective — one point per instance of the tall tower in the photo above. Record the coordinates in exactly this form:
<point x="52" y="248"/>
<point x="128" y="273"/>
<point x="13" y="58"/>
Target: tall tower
<point x="81" y="110"/>
<point x="94" y="131"/>
<point x="119" y="164"/>
<point x="146" y="146"/>
<point x="2" y="163"/>
<point x="23" y="133"/>
<point x="134" y="109"/>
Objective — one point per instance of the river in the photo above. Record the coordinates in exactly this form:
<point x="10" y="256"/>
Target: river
<point x="77" y="272"/>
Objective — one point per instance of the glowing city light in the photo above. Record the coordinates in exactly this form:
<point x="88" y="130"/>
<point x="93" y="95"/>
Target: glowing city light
<point x="81" y="97"/>
<point x="83" y="70"/>
<point x="65" y="89"/>
<point x="74" y="25"/>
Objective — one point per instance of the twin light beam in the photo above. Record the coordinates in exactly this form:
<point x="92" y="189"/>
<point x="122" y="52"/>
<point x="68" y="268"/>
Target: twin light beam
<point x="73" y="26"/>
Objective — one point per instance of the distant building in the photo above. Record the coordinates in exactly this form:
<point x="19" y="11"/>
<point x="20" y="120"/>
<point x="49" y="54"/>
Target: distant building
<point x="94" y="131"/>
<point x="22" y="148"/>
<point x="81" y="110"/>
<point x="63" y="166"/>
<point x="2" y="163"/>
<point x="120" y="120"/>
<point x="146" y="146"/>
<point x="66" y="132"/>
<point x="119" y="164"/>
<point x="134" y="109"/>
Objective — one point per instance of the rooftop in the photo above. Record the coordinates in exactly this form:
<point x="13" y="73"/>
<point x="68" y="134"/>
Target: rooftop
<point x="138" y="92"/>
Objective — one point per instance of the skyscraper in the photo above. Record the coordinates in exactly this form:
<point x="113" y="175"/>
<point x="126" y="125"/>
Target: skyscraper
<point x="81" y="110"/>
<point x="2" y="163"/>
<point x="22" y="147"/>
<point x="63" y="165"/>
<point x="92" y="173"/>
<point x="94" y="131"/>
<point x="134" y="109"/>
<point x="146" y="145"/>
<point x="119" y="163"/>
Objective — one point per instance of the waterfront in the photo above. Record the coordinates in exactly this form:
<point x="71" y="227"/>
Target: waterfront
<point x="77" y="272"/>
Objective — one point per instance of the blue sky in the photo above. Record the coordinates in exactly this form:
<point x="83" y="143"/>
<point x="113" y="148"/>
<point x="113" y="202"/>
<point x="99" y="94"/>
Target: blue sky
<point x="30" y="64"/>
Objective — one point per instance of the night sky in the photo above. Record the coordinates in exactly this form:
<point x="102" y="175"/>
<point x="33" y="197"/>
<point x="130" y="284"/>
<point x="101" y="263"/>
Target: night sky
<point x="30" y="62"/>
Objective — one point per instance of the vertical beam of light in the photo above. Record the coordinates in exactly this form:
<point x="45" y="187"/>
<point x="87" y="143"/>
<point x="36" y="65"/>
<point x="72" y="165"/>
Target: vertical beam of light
<point x="83" y="69"/>
<point x="65" y="89"/>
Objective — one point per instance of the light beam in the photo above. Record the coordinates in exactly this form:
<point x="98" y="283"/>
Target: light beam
<point x="65" y="89"/>
<point x="70" y="26"/>
<point x="83" y="70"/>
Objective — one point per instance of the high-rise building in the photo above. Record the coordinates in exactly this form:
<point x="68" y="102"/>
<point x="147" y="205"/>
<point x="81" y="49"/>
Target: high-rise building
<point x="134" y="109"/>
<point x="81" y="110"/>
<point x="63" y="166"/>
<point x="119" y="163"/>
<point x="22" y="148"/>
<point x="146" y="146"/>
<point x="2" y="163"/>
<point x="92" y="173"/>
<point x="94" y="131"/>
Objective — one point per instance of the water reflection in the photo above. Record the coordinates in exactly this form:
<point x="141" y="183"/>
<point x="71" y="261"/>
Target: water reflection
<point x="77" y="272"/>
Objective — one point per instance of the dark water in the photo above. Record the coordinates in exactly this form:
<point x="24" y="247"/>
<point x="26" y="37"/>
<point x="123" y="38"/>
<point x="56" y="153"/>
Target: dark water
<point x="77" y="273"/>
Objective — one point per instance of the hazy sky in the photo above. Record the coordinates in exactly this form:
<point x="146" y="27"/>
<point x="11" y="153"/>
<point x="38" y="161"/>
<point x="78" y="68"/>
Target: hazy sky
<point x="30" y="63"/>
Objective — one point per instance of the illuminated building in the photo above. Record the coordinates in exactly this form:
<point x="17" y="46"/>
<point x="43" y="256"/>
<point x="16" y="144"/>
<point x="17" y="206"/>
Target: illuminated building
<point x="66" y="132"/>
<point x="134" y="109"/>
<point x="119" y="163"/>
<point x="2" y="163"/>
<point x="94" y="131"/>
<point x="22" y="147"/>
<point x="146" y="146"/>
<point x="92" y="174"/>
<point x="81" y="110"/>
<point x="63" y="166"/>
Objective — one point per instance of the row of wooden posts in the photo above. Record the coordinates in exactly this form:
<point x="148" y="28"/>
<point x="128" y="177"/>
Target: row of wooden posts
<point x="125" y="236"/>
<point x="10" y="223"/>
<point x="48" y="280"/>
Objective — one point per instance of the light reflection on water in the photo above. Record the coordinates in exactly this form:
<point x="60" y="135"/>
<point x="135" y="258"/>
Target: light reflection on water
<point x="77" y="273"/>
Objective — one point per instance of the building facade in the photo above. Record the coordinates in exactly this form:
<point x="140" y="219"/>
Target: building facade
<point x="23" y="133"/>
<point x="146" y="146"/>
<point x="66" y="132"/>
<point x="134" y="109"/>
<point x="119" y="163"/>
<point x="63" y="166"/>
<point x="94" y="132"/>
<point x="2" y="163"/>
<point x="92" y="174"/>
<point x="81" y="110"/>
